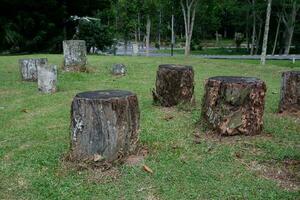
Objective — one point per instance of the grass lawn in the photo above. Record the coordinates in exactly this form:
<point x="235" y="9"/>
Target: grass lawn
<point x="34" y="136"/>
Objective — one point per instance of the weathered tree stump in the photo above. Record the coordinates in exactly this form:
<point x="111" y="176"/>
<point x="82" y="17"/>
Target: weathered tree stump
<point x="118" y="69"/>
<point x="47" y="78"/>
<point x="234" y="105"/>
<point x="104" y="125"/>
<point x="28" y="68"/>
<point x="290" y="92"/>
<point x="174" y="85"/>
<point x="74" y="55"/>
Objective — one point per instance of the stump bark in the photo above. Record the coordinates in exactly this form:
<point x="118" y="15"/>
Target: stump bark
<point x="104" y="124"/>
<point x="290" y="92"/>
<point x="74" y="55"/>
<point x="28" y="68"/>
<point x="47" y="78"/>
<point x="234" y="105"/>
<point x="174" y="85"/>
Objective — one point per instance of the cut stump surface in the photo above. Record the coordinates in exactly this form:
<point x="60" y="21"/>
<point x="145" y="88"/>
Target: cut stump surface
<point x="234" y="105"/>
<point x="104" y="123"/>
<point x="174" y="85"/>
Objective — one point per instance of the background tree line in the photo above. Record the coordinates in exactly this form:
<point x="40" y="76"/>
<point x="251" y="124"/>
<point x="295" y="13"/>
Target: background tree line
<point x="40" y="26"/>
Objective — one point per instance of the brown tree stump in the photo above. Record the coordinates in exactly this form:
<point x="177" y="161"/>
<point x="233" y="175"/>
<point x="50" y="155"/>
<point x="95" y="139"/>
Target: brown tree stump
<point x="234" y="105"/>
<point x="28" y="68"/>
<point x="174" y="85"/>
<point x="74" y="55"/>
<point x="104" y="124"/>
<point x="290" y="92"/>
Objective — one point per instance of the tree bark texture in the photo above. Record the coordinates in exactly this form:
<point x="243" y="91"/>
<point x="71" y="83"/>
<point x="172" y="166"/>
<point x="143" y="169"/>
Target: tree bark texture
<point x="290" y="92"/>
<point x="266" y="34"/>
<point x="28" y="68"/>
<point x="74" y="55"/>
<point x="47" y="78"/>
<point x="118" y="69"/>
<point x="104" y="123"/>
<point x="174" y="85"/>
<point x="234" y="105"/>
<point x="148" y="31"/>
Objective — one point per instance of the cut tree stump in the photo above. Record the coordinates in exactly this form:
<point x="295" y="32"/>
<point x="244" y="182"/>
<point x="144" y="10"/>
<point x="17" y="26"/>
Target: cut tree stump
<point x="118" y="69"/>
<point x="28" y="68"/>
<point x="104" y="125"/>
<point x="74" y="55"/>
<point x="290" y="92"/>
<point x="174" y="85"/>
<point x="47" y="78"/>
<point x="234" y="105"/>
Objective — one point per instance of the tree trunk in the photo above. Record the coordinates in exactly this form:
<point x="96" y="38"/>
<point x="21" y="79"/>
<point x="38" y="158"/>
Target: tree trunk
<point x="276" y="35"/>
<point x="28" y="68"/>
<point x="234" y="105"/>
<point x="173" y="35"/>
<point x="74" y="55"/>
<point x="174" y="85"/>
<point x="159" y="27"/>
<point x="189" y="11"/>
<point x="104" y="124"/>
<point x="47" y="78"/>
<point x="139" y="29"/>
<point x="253" y="28"/>
<point x="289" y="21"/>
<point x="148" y="30"/>
<point x="290" y="92"/>
<point x="266" y="34"/>
<point x="258" y="38"/>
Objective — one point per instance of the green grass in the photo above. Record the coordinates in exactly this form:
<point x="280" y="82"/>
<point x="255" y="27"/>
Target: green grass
<point x="208" y="51"/>
<point x="32" y="143"/>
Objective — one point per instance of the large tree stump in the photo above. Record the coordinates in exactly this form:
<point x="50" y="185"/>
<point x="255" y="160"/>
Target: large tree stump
<point x="47" y="78"/>
<point x="28" y="68"/>
<point x="174" y="85"/>
<point x="290" y="92"/>
<point x="234" y="105"/>
<point x="104" y="124"/>
<point x="74" y="55"/>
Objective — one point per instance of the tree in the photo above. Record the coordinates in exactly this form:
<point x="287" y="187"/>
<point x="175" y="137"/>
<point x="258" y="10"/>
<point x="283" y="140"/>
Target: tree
<point x="290" y="10"/>
<point x="189" y="11"/>
<point x="266" y="33"/>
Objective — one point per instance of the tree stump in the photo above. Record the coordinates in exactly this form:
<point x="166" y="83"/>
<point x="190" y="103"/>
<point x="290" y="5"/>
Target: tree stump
<point x="290" y="92"/>
<point x="104" y="125"/>
<point x="174" y="85"/>
<point x="74" y="55"/>
<point x="118" y="69"/>
<point x="234" y="105"/>
<point x="28" y="68"/>
<point x="47" y="78"/>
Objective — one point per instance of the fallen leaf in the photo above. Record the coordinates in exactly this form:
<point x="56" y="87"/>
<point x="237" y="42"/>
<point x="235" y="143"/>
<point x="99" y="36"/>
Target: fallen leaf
<point x="168" y="117"/>
<point x="24" y="110"/>
<point x="147" y="169"/>
<point x="134" y="160"/>
<point x="97" y="157"/>
<point x="238" y="155"/>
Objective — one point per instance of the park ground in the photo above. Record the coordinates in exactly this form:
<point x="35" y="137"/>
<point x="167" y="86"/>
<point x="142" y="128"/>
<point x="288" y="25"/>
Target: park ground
<point x="187" y="162"/>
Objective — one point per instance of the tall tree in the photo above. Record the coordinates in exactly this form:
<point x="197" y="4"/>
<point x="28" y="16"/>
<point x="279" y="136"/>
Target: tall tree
<point x="189" y="12"/>
<point x="266" y="34"/>
<point x="290" y="10"/>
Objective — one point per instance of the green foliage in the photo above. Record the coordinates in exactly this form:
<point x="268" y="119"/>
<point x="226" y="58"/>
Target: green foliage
<point x="95" y="34"/>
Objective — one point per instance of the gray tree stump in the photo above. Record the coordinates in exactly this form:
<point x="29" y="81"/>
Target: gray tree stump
<point x="104" y="124"/>
<point x="290" y="92"/>
<point x="234" y="105"/>
<point x="174" y="85"/>
<point x="28" y="68"/>
<point x="118" y="69"/>
<point x="74" y="55"/>
<point x="47" y="78"/>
